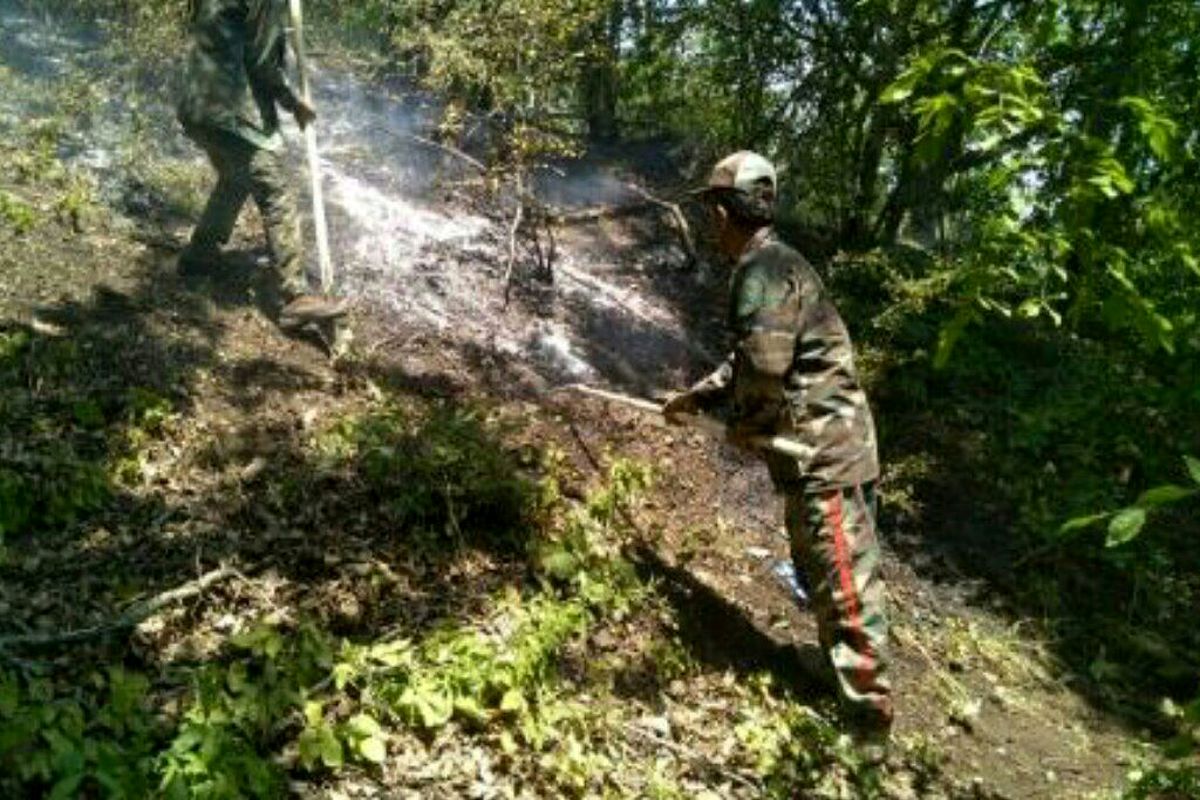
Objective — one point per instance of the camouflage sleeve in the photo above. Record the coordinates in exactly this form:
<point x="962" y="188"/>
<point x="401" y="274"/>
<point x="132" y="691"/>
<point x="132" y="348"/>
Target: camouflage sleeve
<point x="265" y="55"/>
<point x="764" y="330"/>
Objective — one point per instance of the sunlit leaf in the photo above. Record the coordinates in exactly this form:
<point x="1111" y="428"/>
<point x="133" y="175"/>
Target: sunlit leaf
<point x="364" y="725"/>
<point x="332" y="754"/>
<point x="1125" y="527"/>
<point x="1079" y="523"/>
<point x="512" y="702"/>
<point x="314" y="713"/>
<point x="1193" y="467"/>
<point x="310" y="748"/>
<point x="1161" y="495"/>
<point x="373" y="749"/>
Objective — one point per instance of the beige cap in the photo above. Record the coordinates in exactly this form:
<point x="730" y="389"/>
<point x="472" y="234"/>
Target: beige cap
<point x="741" y="171"/>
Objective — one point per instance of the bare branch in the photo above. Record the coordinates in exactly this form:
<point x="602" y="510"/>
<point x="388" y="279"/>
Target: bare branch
<point x="137" y="614"/>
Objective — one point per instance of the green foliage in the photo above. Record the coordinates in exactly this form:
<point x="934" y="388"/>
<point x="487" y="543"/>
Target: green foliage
<point x="1155" y="783"/>
<point x="235" y="713"/>
<point x="47" y="479"/>
<point x="519" y="63"/>
<point x="17" y="215"/>
<point x="437" y="477"/>
<point x="459" y="673"/>
<point x="98" y="741"/>
<point x="281" y="698"/>
<point x="1125" y="525"/>
<point x="794" y="749"/>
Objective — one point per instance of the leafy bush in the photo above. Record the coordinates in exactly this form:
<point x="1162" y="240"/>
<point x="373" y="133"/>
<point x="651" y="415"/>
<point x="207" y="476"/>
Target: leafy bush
<point x="298" y="699"/>
<point x="18" y="215"/>
<point x="437" y="477"/>
<point x="99" y="741"/>
<point x="46" y="479"/>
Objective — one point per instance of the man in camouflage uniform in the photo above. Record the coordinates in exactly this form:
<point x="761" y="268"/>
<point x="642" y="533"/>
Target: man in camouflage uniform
<point x="792" y="374"/>
<point x="234" y="85"/>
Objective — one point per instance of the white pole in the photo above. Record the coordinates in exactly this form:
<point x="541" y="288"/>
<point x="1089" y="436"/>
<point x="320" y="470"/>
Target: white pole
<point x="324" y="259"/>
<point x="780" y="444"/>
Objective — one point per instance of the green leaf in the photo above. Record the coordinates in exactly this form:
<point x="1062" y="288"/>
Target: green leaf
<point x="1079" y="523"/>
<point x="1125" y="527"/>
<point x="1031" y="308"/>
<point x="433" y="709"/>
<point x="560" y="564"/>
<point x="468" y="708"/>
<point x="331" y="749"/>
<point x="1193" y="468"/>
<point x="1190" y="261"/>
<point x="1162" y="495"/>
<point x="314" y="713"/>
<point x="899" y="91"/>
<point x="512" y="702"/>
<point x="364" y="725"/>
<point x="67" y="787"/>
<point x="949" y="335"/>
<point x="373" y="749"/>
<point x="342" y="675"/>
<point x="310" y="747"/>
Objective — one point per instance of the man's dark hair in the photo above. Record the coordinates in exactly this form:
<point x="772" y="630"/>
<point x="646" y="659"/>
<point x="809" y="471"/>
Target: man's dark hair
<point x="752" y="209"/>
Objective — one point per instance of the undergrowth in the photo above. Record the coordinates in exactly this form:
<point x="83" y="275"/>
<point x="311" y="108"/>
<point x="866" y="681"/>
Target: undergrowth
<point x="288" y="699"/>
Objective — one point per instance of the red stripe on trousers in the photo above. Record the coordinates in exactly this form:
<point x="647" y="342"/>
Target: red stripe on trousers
<point x="866" y="668"/>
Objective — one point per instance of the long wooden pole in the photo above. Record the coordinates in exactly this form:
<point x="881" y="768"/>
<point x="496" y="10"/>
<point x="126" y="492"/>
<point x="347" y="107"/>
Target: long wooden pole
<point x="779" y="444"/>
<point x="324" y="259"/>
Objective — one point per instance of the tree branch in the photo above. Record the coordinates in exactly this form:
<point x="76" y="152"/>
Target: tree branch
<point x="136" y="615"/>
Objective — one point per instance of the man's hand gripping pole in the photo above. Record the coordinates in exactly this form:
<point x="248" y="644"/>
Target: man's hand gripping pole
<point x="778" y="444"/>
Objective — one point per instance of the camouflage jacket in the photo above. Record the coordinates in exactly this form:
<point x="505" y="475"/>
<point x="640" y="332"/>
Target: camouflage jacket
<point x="792" y="371"/>
<point x="234" y="77"/>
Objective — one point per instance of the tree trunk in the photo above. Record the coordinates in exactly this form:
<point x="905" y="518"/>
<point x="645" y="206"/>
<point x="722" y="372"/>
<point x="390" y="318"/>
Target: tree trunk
<point x="599" y="85"/>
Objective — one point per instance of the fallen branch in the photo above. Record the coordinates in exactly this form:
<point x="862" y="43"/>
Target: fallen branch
<point x="136" y="615"/>
<point x="585" y="215"/>
<point x="648" y="203"/>
<point x="450" y="150"/>
<point x="681" y="224"/>
<point x="696" y="758"/>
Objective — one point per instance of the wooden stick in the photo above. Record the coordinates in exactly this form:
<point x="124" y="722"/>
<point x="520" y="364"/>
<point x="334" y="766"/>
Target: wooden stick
<point x="314" y="157"/>
<point x="137" y="614"/>
<point x="601" y="212"/>
<point x="515" y="228"/>
<point x="450" y="150"/>
<point x="681" y="223"/>
<point x="779" y="444"/>
<point x="647" y="203"/>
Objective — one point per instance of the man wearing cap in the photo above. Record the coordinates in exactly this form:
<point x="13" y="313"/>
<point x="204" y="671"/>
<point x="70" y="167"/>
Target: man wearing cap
<point x="792" y="374"/>
<point x="234" y="85"/>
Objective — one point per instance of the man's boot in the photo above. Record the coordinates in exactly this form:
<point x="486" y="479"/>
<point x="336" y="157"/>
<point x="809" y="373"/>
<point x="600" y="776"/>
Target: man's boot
<point x="308" y="309"/>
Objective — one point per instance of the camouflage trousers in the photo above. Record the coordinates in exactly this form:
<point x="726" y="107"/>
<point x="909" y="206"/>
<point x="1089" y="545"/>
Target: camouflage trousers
<point x="833" y="542"/>
<point x="245" y="171"/>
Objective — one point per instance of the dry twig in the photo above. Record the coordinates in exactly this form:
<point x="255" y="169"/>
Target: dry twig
<point x="649" y="202"/>
<point x="681" y="224"/>
<point x="695" y="757"/>
<point x="136" y="615"/>
<point x="450" y="150"/>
